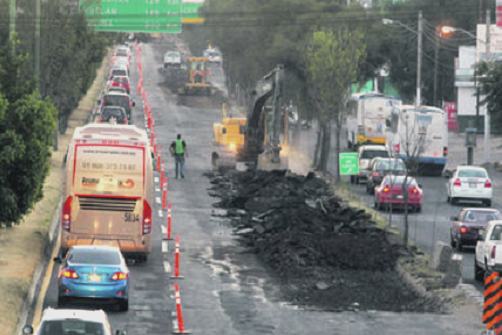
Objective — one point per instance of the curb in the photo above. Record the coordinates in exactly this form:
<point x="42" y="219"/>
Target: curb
<point x="40" y="270"/>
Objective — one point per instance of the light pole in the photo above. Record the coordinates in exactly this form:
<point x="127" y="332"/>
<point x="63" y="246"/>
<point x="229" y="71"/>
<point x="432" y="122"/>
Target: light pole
<point x="419" y="34"/>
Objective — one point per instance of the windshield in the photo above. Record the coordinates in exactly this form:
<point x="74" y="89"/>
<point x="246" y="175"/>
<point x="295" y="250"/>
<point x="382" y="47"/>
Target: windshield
<point x="464" y="173"/>
<point x="71" y="327"/>
<point x="481" y="216"/>
<point x="116" y="100"/>
<point x="119" y="72"/>
<point x="94" y="256"/>
<point x="117" y="113"/>
<point x="370" y="154"/>
<point x="172" y="54"/>
<point x="121" y="53"/>
<point x="390" y="165"/>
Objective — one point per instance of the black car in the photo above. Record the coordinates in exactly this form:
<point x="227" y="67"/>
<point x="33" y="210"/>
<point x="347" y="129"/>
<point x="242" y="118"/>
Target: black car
<point x="117" y="99"/>
<point x="381" y="167"/>
<point x="113" y="114"/>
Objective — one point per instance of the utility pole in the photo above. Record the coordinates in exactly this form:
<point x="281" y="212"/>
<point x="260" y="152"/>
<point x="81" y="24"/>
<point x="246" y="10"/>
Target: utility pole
<point x="37" y="44"/>
<point x="419" y="59"/>
<point x="487" y="114"/>
<point x="12" y="24"/>
<point x="436" y="61"/>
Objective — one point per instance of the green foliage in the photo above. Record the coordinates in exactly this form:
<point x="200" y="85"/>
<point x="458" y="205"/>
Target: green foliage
<point x="491" y="88"/>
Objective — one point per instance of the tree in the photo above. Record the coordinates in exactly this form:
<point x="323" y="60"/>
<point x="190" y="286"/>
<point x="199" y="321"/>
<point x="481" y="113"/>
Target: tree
<point x="26" y="133"/>
<point x="333" y="61"/>
<point x="490" y="77"/>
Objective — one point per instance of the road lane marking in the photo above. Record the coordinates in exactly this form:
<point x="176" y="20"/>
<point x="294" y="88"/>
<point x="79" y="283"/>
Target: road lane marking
<point x="165" y="247"/>
<point x="157" y="189"/>
<point x="164" y="230"/>
<point x="161" y="215"/>
<point x="45" y="285"/>
<point x="156" y="179"/>
<point x="167" y="267"/>
<point x="157" y="199"/>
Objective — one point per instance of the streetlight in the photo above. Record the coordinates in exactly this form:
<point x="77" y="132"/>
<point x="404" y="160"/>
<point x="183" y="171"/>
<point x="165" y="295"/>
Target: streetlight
<point x="448" y="30"/>
<point x="419" y="51"/>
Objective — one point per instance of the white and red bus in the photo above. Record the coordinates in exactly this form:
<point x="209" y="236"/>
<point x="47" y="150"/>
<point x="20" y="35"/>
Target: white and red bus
<point x="108" y="195"/>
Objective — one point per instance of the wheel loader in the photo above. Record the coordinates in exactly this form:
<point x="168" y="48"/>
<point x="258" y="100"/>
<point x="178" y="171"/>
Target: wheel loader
<point x="198" y="73"/>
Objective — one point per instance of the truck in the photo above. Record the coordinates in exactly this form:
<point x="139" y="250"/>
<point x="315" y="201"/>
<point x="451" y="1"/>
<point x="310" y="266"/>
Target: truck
<point x="488" y="250"/>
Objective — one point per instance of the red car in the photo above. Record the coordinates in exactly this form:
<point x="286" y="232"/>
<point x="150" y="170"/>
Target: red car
<point x="390" y="191"/>
<point x="121" y="81"/>
<point x="466" y="226"/>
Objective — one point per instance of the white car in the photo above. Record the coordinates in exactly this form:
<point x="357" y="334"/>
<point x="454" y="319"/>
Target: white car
<point x="489" y="250"/>
<point x="469" y="183"/>
<point x="366" y="154"/>
<point x="72" y="321"/>
<point x="214" y="56"/>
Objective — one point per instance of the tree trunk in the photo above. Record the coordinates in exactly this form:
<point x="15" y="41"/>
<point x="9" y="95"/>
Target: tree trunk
<point x="315" y="163"/>
<point x="326" y="146"/>
<point x="406" y="223"/>
<point x="338" y="148"/>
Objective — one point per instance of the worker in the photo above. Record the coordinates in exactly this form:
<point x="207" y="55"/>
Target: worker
<point x="179" y="150"/>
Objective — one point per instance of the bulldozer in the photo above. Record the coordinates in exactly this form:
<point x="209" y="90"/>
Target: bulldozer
<point x="255" y="142"/>
<point x="198" y="73"/>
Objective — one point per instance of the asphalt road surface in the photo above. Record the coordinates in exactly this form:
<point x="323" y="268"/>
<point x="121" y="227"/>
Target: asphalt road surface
<point x="226" y="290"/>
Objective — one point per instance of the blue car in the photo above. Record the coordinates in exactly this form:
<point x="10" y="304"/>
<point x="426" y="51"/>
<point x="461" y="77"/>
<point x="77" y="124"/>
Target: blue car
<point x="94" y="272"/>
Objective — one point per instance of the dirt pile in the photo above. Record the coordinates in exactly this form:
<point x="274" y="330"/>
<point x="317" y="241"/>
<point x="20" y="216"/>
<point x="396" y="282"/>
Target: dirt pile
<point x="327" y="254"/>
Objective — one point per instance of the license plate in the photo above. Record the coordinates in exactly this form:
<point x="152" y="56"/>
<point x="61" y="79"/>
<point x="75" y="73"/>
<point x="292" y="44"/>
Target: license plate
<point x="473" y="185"/>
<point x="398" y="196"/>
<point x="93" y="277"/>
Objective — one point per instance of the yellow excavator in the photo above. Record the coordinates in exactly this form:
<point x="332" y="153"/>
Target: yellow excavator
<point x="259" y="140"/>
<point x="198" y="73"/>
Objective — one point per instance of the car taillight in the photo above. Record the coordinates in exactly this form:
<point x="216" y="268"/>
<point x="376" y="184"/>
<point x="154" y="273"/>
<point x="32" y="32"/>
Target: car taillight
<point x="147" y="218"/>
<point x="125" y="121"/>
<point x="68" y="274"/>
<point x="414" y="191"/>
<point x="66" y="215"/>
<point x="488" y="183"/>
<point x="119" y="276"/>
<point x="386" y="189"/>
<point x="376" y="174"/>
<point x="445" y="151"/>
<point x="397" y="147"/>
<point x="494" y="248"/>
<point x="463" y="230"/>
<point x="457" y="182"/>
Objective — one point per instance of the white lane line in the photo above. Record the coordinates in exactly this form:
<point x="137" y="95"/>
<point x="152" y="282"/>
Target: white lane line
<point x="156" y="179"/>
<point x="167" y="267"/>
<point x="157" y="199"/>
<point x="165" y="247"/>
<point x="161" y="214"/>
<point x="164" y="230"/>
<point x="157" y="189"/>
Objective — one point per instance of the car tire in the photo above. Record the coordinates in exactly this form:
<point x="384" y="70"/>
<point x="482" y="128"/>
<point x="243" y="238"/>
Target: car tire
<point x="479" y="274"/>
<point x="488" y="203"/>
<point x="352" y="179"/>
<point x="448" y="199"/>
<point x="372" y="189"/>
<point x="356" y="180"/>
<point x="453" y="201"/>
<point x="124" y="305"/>
<point x="418" y="208"/>
<point x="460" y="247"/>
<point x="453" y="243"/>
<point x="368" y="188"/>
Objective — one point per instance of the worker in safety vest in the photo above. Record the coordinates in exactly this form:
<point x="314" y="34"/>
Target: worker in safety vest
<point x="179" y="150"/>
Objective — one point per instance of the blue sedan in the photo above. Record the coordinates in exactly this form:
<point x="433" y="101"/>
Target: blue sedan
<point x="94" y="272"/>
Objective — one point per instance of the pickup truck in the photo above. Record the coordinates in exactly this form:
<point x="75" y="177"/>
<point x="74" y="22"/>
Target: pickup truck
<point x="489" y="250"/>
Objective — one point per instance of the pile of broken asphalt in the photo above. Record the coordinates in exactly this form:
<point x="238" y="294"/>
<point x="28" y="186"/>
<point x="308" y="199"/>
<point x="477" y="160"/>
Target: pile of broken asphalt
<point x="325" y="253"/>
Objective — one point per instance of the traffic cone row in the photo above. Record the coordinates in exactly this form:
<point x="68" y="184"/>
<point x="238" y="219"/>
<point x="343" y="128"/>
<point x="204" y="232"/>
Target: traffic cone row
<point x="179" y="327"/>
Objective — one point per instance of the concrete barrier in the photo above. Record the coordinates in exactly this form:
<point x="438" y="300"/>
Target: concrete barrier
<point x="453" y="272"/>
<point x="441" y="256"/>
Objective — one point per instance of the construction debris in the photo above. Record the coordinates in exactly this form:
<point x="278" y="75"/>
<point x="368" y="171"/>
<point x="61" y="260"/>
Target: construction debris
<point x="328" y="253"/>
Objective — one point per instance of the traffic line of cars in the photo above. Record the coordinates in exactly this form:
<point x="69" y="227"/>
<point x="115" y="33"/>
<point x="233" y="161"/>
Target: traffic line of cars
<point x="95" y="202"/>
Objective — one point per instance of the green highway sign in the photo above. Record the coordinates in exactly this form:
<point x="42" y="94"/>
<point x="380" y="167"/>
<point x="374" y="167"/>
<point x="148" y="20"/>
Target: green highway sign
<point x="190" y="12"/>
<point x="135" y="16"/>
<point x="349" y="163"/>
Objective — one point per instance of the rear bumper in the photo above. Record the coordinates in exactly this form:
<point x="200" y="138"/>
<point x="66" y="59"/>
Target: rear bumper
<point x="476" y="194"/>
<point x="127" y="245"/>
<point x="68" y="288"/>
<point x="468" y="239"/>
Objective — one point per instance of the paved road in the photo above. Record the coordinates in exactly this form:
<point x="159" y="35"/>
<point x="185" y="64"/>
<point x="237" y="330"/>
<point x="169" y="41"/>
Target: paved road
<point x="226" y="290"/>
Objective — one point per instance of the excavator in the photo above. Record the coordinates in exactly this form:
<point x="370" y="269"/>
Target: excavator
<point x="258" y="141"/>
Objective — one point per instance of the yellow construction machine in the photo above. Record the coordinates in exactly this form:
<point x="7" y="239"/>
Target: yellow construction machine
<point x="198" y="73"/>
<point x="259" y="140"/>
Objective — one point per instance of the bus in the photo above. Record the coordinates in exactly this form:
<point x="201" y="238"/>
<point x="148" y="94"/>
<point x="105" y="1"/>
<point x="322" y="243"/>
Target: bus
<point x="419" y="135"/>
<point x="366" y="115"/>
<point x="108" y="194"/>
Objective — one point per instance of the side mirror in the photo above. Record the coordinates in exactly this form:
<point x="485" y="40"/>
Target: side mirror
<point x="98" y="102"/>
<point x="133" y="103"/>
<point x="57" y="259"/>
<point x="454" y="218"/>
<point x="387" y="123"/>
<point x="420" y="186"/>
<point x="27" y="330"/>
<point x="447" y="174"/>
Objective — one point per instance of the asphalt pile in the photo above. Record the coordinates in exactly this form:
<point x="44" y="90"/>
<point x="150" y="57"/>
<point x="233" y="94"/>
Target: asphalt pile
<point x="328" y="254"/>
